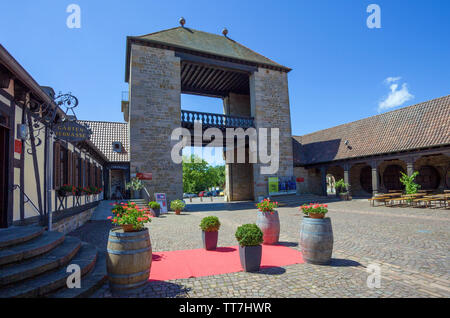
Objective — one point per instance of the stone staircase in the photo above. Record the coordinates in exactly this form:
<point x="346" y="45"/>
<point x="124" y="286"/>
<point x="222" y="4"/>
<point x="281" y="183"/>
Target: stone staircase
<point x="296" y="200"/>
<point x="141" y="203"/>
<point x="33" y="263"/>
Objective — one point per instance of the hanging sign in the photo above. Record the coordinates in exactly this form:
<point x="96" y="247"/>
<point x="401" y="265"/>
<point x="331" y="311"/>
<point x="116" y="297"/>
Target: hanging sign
<point x="144" y="176"/>
<point x="18" y="146"/>
<point x="161" y="199"/>
<point x="71" y="131"/>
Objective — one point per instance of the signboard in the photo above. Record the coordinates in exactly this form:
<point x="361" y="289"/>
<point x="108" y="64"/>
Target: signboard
<point x="71" y="131"/>
<point x="161" y="199"/>
<point x="17" y="146"/>
<point x="282" y="185"/>
<point x="144" y="176"/>
<point x="273" y="185"/>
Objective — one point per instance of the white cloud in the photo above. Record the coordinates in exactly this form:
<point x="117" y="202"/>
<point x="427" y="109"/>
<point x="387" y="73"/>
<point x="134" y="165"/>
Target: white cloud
<point x="392" y="79"/>
<point x="397" y="96"/>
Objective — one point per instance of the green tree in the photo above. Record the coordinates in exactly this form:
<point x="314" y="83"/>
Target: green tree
<point x="408" y="181"/>
<point x="198" y="175"/>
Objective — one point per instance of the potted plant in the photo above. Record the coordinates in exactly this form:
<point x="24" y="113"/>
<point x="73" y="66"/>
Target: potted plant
<point x="79" y="191"/>
<point x="250" y="238"/>
<point x="177" y="206"/>
<point x="268" y="221"/>
<point x="129" y="216"/>
<point x="342" y="190"/>
<point x="135" y="185"/>
<point x="315" y="211"/>
<point x="87" y="191"/>
<point x="66" y="190"/>
<point x="155" y="207"/>
<point x="316" y="234"/>
<point x="210" y="226"/>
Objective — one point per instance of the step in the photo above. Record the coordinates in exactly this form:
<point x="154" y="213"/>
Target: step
<point x="57" y="257"/>
<point x="89" y="283"/>
<point x="54" y="280"/>
<point x="18" y="234"/>
<point x="29" y="249"/>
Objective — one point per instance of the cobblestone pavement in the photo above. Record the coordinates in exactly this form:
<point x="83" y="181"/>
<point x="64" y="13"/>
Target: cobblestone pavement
<point x="410" y="245"/>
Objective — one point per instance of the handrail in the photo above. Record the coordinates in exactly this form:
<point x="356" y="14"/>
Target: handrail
<point x="188" y="118"/>
<point x="148" y="194"/>
<point x="28" y="200"/>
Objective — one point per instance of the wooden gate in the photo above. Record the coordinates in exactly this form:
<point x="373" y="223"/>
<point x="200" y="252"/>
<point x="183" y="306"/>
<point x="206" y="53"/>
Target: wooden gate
<point x="428" y="178"/>
<point x="365" y="179"/>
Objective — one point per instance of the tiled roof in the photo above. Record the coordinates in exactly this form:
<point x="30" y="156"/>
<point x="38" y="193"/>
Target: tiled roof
<point x="419" y="126"/>
<point x="103" y="136"/>
<point x="205" y="42"/>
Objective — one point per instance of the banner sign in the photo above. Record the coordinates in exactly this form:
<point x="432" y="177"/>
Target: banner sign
<point x="282" y="185"/>
<point x="161" y="199"/>
<point x="273" y="185"/>
<point x="71" y="131"/>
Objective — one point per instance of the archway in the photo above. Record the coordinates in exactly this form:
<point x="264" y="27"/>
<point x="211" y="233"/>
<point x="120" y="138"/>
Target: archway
<point x="391" y="177"/>
<point x="428" y="178"/>
<point x="365" y="179"/>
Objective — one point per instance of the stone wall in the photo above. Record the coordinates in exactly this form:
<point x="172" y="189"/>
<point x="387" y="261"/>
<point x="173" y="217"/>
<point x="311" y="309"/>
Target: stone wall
<point x="270" y="109"/>
<point x="311" y="181"/>
<point x="155" y="111"/>
<point x="71" y="223"/>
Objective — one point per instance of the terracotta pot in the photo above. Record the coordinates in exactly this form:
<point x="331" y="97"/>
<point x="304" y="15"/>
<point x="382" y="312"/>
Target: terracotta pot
<point x="177" y="212"/>
<point x="128" y="228"/>
<point x="316" y="215"/>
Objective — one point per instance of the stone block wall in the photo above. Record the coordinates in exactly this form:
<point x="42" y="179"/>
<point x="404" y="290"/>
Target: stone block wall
<point x="270" y="108"/>
<point x="71" y="223"/>
<point x="311" y="183"/>
<point x="155" y="111"/>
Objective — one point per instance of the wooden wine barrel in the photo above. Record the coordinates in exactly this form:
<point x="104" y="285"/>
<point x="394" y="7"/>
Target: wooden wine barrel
<point x="270" y="226"/>
<point x="316" y="240"/>
<point x="129" y="258"/>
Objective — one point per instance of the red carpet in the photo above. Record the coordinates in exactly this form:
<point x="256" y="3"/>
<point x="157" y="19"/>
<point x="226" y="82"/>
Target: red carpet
<point x="199" y="262"/>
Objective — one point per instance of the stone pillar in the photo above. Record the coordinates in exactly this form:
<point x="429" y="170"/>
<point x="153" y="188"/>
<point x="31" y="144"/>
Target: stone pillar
<point x="347" y="177"/>
<point x="155" y="111"/>
<point x="323" y="180"/>
<point x="410" y="165"/>
<point x="374" y="165"/>
<point x="269" y="98"/>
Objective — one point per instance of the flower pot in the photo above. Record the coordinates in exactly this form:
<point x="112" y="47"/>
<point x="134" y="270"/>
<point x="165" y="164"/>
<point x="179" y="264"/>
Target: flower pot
<point x="156" y="212"/>
<point x="270" y="226"/>
<point x="316" y="215"/>
<point x="62" y="193"/>
<point x="128" y="228"/>
<point x="177" y="212"/>
<point x="210" y="240"/>
<point x="250" y="257"/>
<point x="129" y="258"/>
<point x="316" y="240"/>
<point x="345" y="196"/>
<point x="136" y="194"/>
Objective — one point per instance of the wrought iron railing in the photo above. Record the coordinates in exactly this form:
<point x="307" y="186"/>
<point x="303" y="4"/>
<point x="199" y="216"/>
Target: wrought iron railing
<point x="208" y="120"/>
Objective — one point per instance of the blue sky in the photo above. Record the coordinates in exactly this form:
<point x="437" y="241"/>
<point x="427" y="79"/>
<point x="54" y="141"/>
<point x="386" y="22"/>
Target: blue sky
<point x="340" y="66"/>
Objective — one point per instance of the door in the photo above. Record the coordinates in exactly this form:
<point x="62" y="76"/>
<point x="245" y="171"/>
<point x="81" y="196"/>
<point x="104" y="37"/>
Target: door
<point x="4" y="151"/>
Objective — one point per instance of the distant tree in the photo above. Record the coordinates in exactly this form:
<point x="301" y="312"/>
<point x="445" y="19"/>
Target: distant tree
<point x="198" y="175"/>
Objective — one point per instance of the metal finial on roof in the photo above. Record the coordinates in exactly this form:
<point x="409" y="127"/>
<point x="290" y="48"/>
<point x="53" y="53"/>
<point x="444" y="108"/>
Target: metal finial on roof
<point x="225" y="31"/>
<point x="182" y="21"/>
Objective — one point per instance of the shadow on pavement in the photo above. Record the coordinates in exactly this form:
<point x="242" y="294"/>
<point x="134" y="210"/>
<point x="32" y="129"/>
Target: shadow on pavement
<point x="339" y="262"/>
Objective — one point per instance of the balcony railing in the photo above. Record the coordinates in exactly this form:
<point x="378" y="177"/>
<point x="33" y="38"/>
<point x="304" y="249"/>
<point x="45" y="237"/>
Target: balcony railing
<point x="209" y="120"/>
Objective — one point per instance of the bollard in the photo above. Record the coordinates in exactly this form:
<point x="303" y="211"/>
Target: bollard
<point x="211" y="198"/>
<point x="201" y="199"/>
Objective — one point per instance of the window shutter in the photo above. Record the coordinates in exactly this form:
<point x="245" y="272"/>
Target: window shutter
<point x="56" y="165"/>
<point x="69" y="167"/>
<point x="74" y="170"/>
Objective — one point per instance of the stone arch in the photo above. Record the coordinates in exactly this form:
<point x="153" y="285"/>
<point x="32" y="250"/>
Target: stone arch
<point x="334" y="173"/>
<point x="365" y="179"/>
<point x="428" y="178"/>
<point x="391" y="177"/>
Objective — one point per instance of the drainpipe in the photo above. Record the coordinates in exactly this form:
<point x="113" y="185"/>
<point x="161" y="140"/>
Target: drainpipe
<point x="49" y="176"/>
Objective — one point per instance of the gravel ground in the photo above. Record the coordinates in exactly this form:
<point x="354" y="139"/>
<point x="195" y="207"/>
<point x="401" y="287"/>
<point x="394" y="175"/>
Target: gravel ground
<point x="410" y="245"/>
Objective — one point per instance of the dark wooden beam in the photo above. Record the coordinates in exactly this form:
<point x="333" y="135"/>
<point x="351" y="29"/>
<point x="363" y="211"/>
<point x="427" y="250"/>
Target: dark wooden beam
<point x="218" y="63"/>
